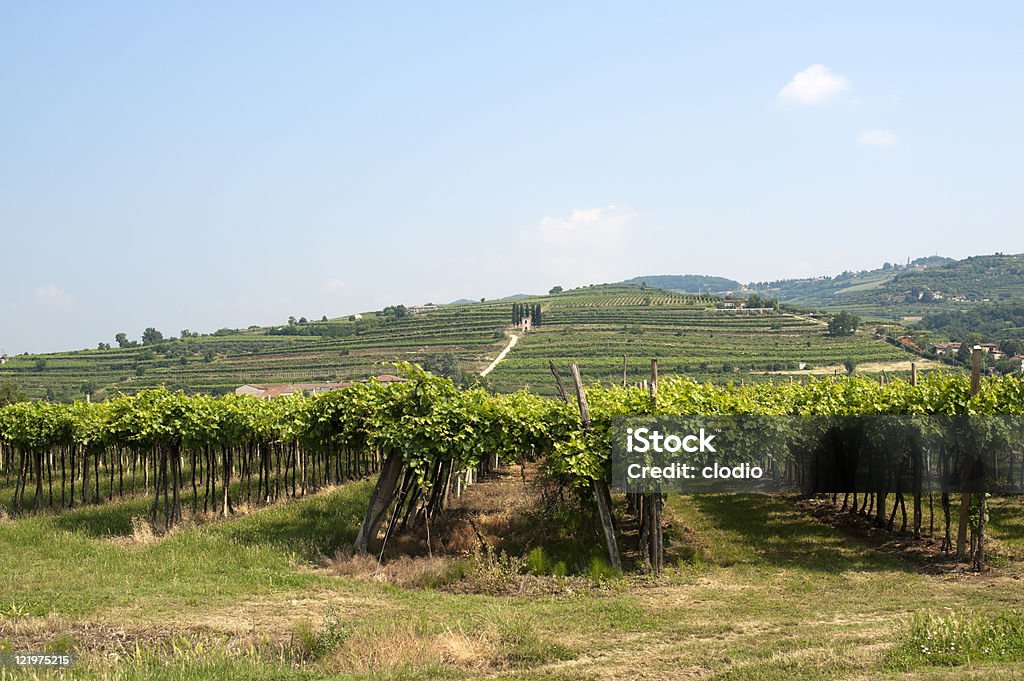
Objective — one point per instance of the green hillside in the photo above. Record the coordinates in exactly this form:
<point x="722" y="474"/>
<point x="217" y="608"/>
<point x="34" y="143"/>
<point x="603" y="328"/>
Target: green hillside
<point x="595" y="326"/>
<point x="687" y="283"/>
<point x="925" y="286"/>
<point x="689" y="335"/>
<point x="321" y="351"/>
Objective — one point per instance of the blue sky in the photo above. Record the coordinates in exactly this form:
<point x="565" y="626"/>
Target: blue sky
<point x="199" y="165"/>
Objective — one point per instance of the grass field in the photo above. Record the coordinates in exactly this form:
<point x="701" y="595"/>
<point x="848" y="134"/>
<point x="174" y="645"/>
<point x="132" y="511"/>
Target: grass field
<point x="760" y="590"/>
<point x="595" y="326"/>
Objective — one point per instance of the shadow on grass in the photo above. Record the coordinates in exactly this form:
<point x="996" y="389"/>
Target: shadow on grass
<point x="765" y="530"/>
<point x="1006" y="522"/>
<point x="104" y="520"/>
<point x="310" y="527"/>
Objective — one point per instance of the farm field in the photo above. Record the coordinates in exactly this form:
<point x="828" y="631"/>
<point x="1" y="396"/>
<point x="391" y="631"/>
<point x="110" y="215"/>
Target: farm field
<point x="688" y="335"/>
<point x="218" y="363"/>
<point x="309" y="568"/>
<point x="758" y="590"/>
<point x="594" y="326"/>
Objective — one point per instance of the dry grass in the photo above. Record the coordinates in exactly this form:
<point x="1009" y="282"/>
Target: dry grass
<point x="488" y="643"/>
<point x="406" y="571"/>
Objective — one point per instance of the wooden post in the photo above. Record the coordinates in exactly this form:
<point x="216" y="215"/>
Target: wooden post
<point x="600" y="487"/>
<point x="965" y="496"/>
<point x="654" y="502"/>
<point x="558" y="381"/>
<point x="654" y="383"/>
<point x="975" y="370"/>
<point x="623" y="371"/>
<point x="918" y="468"/>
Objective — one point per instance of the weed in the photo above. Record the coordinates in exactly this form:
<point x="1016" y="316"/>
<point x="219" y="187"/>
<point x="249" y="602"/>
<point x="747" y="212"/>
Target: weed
<point x="315" y="644"/>
<point x="960" y="638"/>
<point x="599" y="571"/>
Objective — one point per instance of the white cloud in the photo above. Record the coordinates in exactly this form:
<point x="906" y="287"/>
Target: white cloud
<point x="332" y="285"/>
<point x="584" y="226"/>
<point x="813" y="85"/>
<point x="878" y="138"/>
<point x="53" y="294"/>
<point x="586" y="244"/>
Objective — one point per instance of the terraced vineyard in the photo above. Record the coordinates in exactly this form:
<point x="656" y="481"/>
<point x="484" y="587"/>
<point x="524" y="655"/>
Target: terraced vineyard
<point x="594" y="326"/>
<point x="338" y="349"/>
<point x="597" y="326"/>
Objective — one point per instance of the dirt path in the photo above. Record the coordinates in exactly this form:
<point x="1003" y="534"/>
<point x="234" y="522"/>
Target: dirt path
<point x="497" y="360"/>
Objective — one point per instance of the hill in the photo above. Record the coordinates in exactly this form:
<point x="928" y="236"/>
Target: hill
<point x="596" y="326"/>
<point x="925" y="286"/>
<point x="687" y="283"/>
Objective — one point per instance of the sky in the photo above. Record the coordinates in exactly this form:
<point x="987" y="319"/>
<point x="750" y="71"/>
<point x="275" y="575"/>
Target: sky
<point x="205" y="165"/>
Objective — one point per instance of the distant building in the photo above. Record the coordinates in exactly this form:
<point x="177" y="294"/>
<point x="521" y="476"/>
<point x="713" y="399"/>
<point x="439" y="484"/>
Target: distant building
<point x="993" y="350"/>
<point x="270" y="391"/>
<point x="253" y="390"/>
<point x="416" y="309"/>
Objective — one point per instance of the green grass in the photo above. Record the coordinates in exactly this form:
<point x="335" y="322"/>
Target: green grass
<point x="761" y="592"/>
<point x="959" y="638"/>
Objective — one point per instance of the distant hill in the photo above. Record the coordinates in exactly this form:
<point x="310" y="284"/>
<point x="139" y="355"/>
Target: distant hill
<point x="673" y="318"/>
<point x="687" y="283"/>
<point x="693" y="334"/>
<point x="925" y="286"/>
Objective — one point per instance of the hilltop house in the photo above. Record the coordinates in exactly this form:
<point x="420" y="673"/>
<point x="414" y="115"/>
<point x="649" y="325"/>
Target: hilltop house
<point x="416" y="309"/>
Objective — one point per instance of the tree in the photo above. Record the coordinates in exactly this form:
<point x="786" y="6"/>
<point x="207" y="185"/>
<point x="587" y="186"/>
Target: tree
<point x="963" y="355"/>
<point x="849" y="365"/>
<point x="1012" y="347"/>
<point x="292" y="321"/>
<point x="122" y="340"/>
<point x="755" y="301"/>
<point x="40" y="364"/>
<point x="11" y="393"/>
<point x="151" y="335"/>
<point x="324" y="318"/>
<point x="303" y="320"/>
<point x="444" y="364"/>
<point x="103" y="346"/>
<point x="555" y="289"/>
<point x="843" y="324"/>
